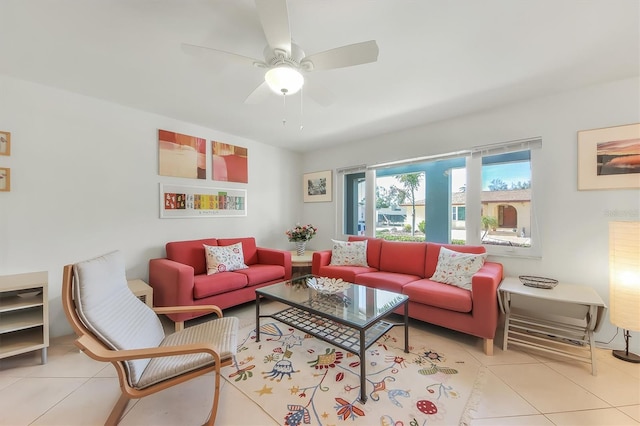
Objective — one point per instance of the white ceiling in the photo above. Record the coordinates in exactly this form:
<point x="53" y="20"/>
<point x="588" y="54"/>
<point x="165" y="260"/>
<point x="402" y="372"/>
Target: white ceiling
<point x="438" y="58"/>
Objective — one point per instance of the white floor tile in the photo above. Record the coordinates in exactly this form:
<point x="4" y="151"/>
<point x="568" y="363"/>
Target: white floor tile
<point x="603" y="417"/>
<point x="610" y="384"/>
<point x="89" y="404"/>
<point x="497" y="399"/>
<point x="27" y="399"/>
<point x="546" y="390"/>
<point x="632" y="411"/>
<point x="538" y="420"/>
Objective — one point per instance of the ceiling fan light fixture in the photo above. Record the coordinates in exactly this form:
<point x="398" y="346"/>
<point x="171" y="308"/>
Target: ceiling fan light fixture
<point x="284" y="80"/>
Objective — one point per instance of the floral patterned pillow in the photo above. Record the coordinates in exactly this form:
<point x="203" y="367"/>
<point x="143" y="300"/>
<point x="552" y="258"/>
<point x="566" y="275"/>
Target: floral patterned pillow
<point x="349" y="253"/>
<point x="224" y="258"/>
<point x="457" y="268"/>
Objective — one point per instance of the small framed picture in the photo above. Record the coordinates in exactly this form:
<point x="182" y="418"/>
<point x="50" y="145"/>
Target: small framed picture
<point x="5" y="179"/>
<point x="609" y="158"/>
<point x="5" y="143"/>
<point x="317" y="187"/>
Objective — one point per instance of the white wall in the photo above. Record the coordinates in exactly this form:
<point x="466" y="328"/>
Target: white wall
<point x="84" y="181"/>
<point x="574" y="223"/>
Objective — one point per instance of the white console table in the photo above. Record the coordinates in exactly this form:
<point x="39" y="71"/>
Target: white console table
<point x="559" y="321"/>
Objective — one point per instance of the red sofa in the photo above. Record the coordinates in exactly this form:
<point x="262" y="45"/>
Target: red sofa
<point x="181" y="278"/>
<point x="405" y="267"/>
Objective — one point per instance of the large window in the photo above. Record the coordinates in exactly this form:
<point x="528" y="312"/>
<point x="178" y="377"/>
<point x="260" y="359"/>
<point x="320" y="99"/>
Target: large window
<point x="481" y="196"/>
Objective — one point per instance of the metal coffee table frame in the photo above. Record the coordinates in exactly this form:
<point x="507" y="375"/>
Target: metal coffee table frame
<point x="311" y="313"/>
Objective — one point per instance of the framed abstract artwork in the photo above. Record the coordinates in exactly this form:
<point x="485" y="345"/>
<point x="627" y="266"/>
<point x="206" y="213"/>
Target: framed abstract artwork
<point x="5" y="143"/>
<point x="179" y="201"/>
<point x="230" y="162"/>
<point x="609" y="158"/>
<point x="5" y="179"/>
<point x="181" y="155"/>
<point x="317" y="187"/>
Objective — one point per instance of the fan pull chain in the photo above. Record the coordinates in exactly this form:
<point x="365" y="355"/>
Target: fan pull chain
<point x="301" y="110"/>
<point x="284" y="108"/>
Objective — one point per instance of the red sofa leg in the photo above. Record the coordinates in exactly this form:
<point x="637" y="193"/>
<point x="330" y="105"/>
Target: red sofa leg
<point x="488" y="347"/>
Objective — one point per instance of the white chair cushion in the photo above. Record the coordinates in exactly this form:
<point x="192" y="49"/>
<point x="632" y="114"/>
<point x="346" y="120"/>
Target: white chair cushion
<point x="112" y="312"/>
<point x="221" y="332"/>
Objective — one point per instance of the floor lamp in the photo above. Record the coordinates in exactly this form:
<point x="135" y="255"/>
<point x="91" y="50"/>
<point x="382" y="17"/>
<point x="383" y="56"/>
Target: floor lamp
<point x="624" y="281"/>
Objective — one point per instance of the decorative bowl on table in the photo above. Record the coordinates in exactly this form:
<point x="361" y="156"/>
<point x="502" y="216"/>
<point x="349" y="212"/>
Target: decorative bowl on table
<point x="327" y="285"/>
<point x="538" y="282"/>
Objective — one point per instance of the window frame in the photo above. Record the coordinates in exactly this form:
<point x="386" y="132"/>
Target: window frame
<point x="474" y="229"/>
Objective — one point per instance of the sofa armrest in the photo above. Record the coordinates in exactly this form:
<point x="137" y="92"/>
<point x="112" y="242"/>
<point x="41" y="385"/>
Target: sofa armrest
<point x="172" y="282"/>
<point x="484" y="292"/>
<point x="268" y="256"/>
<point x="320" y="258"/>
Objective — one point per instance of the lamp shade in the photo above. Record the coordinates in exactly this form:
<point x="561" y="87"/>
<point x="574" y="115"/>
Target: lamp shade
<point x="284" y="80"/>
<point x="624" y="270"/>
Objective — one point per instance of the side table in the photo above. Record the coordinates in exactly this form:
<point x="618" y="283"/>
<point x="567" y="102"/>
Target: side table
<point x="559" y="321"/>
<point x="142" y="290"/>
<point x="301" y="265"/>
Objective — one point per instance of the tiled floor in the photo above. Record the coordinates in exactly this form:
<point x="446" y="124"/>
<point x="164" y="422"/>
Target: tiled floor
<point x="519" y="389"/>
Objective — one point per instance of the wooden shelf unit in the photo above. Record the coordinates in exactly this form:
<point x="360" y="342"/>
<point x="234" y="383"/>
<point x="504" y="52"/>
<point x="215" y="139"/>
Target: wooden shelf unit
<point x="24" y="314"/>
<point x="559" y="321"/>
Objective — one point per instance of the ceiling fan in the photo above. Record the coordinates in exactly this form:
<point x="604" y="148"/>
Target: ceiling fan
<point x="286" y="62"/>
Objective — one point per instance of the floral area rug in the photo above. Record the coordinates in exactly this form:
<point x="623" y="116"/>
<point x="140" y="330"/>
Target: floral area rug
<point x="300" y="380"/>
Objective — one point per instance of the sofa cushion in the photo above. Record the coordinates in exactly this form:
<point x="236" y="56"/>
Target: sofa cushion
<point x="258" y="274"/>
<point x="391" y="281"/>
<point x="403" y="257"/>
<point x="249" y="248"/>
<point x="224" y="258"/>
<point x="349" y="253"/>
<point x="209" y="285"/>
<point x="433" y="251"/>
<point x="190" y="253"/>
<point x="373" y="249"/>
<point x="457" y="268"/>
<point x="439" y="295"/>
<point x="347" y="273"/>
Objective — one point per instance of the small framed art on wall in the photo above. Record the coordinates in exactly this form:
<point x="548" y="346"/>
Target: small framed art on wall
<point x="609" y="158"/>
<point x="317" y="187"/>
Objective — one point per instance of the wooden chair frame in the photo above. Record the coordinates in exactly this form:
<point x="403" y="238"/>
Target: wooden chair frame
<point x="94" y="348"/>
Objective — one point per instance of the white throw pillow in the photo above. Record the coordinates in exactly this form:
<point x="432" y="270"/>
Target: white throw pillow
<point x="457" y="268"/>
<point x="349" y="253"/>
<point x="224" y="258"/>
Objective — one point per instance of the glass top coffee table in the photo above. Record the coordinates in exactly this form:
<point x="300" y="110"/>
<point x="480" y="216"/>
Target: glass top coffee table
<point x="349" y="316"/>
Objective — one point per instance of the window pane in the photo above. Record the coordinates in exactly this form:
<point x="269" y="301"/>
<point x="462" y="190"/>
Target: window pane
<point x="462" y="213"/>
<point x="458" y="202"/>
<point x="506" y="199"/>
<point x="416" y="202"/>
<point x="354" y="197"/>
<point x="397" y="194"/>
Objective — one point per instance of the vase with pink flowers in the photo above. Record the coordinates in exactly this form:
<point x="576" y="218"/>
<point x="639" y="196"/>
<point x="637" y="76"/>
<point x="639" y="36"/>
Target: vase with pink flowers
<point x="300" y="234"/>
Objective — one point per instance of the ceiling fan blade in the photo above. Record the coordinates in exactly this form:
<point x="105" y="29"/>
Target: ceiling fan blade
<point x="259" y="94"/>
<point x="274" y="18"/>
<point x="202" y="52"/>
<point x="345" y="56"/>
<point x="319" y="93"/>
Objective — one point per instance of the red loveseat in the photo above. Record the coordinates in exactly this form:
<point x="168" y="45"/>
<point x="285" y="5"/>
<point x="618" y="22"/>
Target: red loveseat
<point x="181" y="278"/>
<point x="405" y="267"/>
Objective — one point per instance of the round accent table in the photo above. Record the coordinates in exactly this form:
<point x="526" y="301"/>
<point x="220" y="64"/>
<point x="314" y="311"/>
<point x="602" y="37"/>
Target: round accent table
<point x="301" y="265"/>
